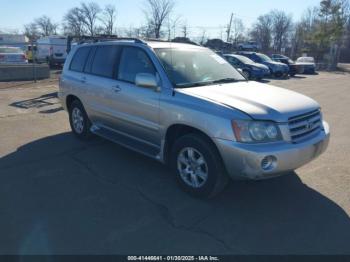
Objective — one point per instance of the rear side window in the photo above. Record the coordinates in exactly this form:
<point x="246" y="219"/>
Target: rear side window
<point x="132" y="62"/>
<point x="79" y="59"/>
<point x="104" y="61"/>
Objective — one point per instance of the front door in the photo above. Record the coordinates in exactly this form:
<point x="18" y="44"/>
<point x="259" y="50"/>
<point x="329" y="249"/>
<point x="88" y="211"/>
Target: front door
<point x="137" y="107"/>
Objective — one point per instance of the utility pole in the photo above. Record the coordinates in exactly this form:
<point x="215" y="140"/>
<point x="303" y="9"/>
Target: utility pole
<point x="229" y="28"/>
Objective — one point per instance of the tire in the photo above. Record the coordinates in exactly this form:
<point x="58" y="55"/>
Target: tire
<point x="213" y="177"/>
<point x="278" y="74"/>
<point x="79" y="121"/>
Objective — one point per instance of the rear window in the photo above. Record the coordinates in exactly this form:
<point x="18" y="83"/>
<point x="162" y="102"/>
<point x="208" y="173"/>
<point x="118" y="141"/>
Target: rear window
<point x="79" y="59"/>
<point x="104" y="61"/>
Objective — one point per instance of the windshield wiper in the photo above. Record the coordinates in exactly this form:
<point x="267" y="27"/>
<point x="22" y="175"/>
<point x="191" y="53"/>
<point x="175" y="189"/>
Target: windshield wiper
<point x="187" y="85"/>
<point x="228" y="80"/>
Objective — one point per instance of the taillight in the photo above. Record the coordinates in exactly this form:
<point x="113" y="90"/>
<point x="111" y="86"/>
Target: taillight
<point x="2" y="57"/>
<point x="23" y="57"/>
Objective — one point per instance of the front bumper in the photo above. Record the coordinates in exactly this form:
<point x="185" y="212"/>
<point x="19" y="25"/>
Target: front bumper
<point x="243" y="161"/>
<point x="57" y="60"/>
<point x="260" y="73"/>
<point x="280" y="70"/>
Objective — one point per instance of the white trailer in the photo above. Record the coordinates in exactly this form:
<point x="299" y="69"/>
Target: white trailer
<point x="51" y="49"/>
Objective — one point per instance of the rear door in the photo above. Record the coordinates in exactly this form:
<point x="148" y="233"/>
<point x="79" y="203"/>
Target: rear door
<point x="74" y="78"/>
<point x="101" y="85"/>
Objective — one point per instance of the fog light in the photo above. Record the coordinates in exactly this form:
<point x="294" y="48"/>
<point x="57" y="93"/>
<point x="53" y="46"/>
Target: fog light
<point x="268" y="163"/>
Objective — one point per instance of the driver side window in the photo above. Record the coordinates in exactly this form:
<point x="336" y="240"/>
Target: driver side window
<point x="132" y="62"/>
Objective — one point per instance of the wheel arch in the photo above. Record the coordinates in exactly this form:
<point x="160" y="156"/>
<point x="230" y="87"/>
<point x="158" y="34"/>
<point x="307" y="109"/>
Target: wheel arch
<point x="176" y="131"/>
<point x="70" y="99"/>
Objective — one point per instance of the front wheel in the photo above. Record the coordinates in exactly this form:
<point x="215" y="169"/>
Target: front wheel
<point x="278" y="74"/>
<point x="198" y="167"/>
<point x="79" y="121"/>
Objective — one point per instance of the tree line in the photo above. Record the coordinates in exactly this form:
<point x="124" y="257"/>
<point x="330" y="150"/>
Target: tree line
<point x="323" y="29"/>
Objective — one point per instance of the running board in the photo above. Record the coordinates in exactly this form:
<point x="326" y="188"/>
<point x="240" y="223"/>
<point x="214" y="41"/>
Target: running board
<point x="125" y="141"/>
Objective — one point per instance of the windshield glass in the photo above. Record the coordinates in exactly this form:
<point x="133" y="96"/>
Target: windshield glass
<point x="194" y="67"/>
<point x="10" y="50"/>
<point x="264" y="58"/>
<point x="243" y="59"/>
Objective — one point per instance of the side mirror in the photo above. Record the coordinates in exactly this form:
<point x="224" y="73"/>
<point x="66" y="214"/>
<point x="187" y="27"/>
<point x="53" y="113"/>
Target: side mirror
<point x="146" y="80"/>
<point x="240" y="70"/>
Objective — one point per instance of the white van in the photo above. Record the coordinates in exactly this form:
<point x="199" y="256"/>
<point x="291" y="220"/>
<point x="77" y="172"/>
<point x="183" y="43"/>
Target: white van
<point x="52" y="49"/>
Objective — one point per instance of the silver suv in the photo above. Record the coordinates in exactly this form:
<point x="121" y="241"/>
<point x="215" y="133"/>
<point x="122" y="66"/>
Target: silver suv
<point x="185" y="106"/>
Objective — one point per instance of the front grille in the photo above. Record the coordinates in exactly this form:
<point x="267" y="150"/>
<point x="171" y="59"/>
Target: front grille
<point x="305" y="126"/>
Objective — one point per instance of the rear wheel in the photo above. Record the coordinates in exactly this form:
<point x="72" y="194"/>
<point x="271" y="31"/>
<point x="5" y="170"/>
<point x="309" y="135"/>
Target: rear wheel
<point x="79" y="121"/>
<point x="198" y="167"/>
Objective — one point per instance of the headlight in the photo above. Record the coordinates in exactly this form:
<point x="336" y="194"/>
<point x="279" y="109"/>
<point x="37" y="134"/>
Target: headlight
<point x="256" y="131"/>
<point x="255" y="68"/>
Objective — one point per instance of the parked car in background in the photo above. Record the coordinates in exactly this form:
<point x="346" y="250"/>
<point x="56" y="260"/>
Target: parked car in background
<point x="250" y="69"/>
<point x="187" y="107"/>
<point x="51" y="50"/>
<point x="12" y="55"/>
<point x="294" y="68"/>
<point x="249" y="46"/>
<point x="308" y="64"/>
<point x="277" y="69"/>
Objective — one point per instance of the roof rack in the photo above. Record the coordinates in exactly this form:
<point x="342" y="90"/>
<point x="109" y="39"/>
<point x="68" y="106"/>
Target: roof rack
<point x="155" y="40"/>
<point x="99" y="38"/>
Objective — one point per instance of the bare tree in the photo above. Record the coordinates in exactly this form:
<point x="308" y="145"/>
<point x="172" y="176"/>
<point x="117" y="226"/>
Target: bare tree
<point x="90" y="13"/>
<point x="262" y="31"/>
<point x="109" y="18"/>
<point x="74" y="22"/>
<point x="31" y="31"/>
<point x="203" y="37"/>
<point x="156" y="14"/>
<point x="184" y="30"/>
<point x="172" y="25"/>
<point x="45" y="26"/>
<point x="281" y="27"/>
<point x="237" y="30"/>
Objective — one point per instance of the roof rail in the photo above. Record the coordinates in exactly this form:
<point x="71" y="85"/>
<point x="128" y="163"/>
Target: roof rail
<point x="99" y="38"/>
<point x="155" y="40"/>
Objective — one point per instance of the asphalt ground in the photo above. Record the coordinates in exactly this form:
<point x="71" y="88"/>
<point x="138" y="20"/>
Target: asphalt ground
<point x="59" y="195"/>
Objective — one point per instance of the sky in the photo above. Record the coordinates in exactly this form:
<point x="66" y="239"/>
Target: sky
<point x="212" y="14"/>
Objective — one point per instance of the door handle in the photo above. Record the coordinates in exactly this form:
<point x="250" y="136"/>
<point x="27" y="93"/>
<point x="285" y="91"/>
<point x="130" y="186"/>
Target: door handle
<point x="83" y="80"/>
<point x="117" y="89"/>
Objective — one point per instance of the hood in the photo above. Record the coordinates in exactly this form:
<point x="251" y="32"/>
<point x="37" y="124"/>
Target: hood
<point x="261" y="66"/>
<point x="260" y="101"/>
<point x="274" y="63"/>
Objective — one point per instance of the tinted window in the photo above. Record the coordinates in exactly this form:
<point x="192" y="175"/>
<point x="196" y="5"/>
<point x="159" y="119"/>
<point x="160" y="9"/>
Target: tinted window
<point x="132" y="62"/>
<point x="79" y="59"/>
<point x="104" y="61"/>
<point x="233" y="61"/>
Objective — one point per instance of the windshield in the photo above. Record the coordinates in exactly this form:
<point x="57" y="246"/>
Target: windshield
<point x="244" y="60"/>
<point x="10" y="50"/>
<point x="195" y="67"/>
<point x="264" y="58"/>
